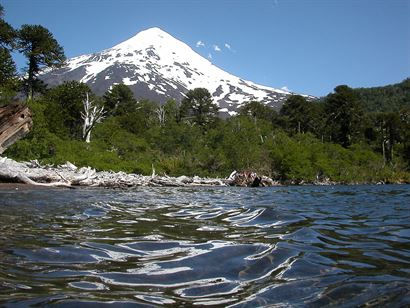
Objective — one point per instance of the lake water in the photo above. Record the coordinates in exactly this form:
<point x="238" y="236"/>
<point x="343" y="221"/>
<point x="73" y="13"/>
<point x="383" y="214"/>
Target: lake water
<point x="304" y="246"/>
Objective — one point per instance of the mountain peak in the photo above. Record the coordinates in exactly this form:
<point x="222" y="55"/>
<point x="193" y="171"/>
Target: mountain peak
<point x="157" y="66"/>
<point x="150" y="36"/>
<point x="153" y="33"/>
<point x="154" y="30"/>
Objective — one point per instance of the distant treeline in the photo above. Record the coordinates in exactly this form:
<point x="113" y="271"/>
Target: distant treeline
<point x="349" y="136"/>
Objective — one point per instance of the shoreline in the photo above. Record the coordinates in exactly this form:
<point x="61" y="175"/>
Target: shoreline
<point x="24" y="175"/>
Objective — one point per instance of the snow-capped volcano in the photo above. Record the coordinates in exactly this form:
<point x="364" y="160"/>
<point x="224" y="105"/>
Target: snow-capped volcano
<point x="157" y="66"/>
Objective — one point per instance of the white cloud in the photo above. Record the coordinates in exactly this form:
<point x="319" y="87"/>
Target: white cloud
<point x="227" y="46"/>
<point x="200" y="44"/>
<point x="216" y="48"/>
<point x="209" y="56"/>
<point x="285" y="88"/>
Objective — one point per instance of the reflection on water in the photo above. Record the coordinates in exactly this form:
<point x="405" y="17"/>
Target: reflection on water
<point x="296" y="246"/>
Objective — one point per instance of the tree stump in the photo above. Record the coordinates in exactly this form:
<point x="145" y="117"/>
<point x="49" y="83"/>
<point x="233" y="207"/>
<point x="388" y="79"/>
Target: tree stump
<point x="15" y="123"/>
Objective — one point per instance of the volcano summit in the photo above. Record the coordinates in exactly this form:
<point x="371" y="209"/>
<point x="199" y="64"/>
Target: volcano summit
<point x="159" y="67"/>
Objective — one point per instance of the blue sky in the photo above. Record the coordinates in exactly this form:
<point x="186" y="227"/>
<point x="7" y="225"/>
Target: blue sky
<point x="308" y="46"/>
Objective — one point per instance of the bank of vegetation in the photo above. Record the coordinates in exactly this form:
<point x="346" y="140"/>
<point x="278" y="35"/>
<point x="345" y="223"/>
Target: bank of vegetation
<point x="349" y="136"/>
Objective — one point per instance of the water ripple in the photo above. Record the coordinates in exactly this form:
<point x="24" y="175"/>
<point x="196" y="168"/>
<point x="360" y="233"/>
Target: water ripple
<point x="285" y="246"/>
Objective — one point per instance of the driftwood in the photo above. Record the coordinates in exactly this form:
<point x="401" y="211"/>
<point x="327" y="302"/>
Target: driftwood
<point x="68" y="175"/>
<point x="15" y="122"/>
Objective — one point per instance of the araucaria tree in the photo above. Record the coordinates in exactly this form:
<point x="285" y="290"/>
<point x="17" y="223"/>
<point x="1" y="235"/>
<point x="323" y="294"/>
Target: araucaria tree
<point x="297" y="109"/>
<point x="344" y="115"/>
<point x="8" y="73"/>
<point x="119" y="100"/>
<point x="41" y="50"/>
<point x="7" y="33"/>
<point x="198" y="107"/>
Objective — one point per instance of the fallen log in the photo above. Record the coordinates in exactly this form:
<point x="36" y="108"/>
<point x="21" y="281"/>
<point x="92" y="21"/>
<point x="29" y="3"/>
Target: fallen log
<point x="15" y="123"/>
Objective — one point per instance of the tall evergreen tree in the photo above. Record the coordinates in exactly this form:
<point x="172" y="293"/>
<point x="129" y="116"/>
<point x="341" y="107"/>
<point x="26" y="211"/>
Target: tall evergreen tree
<point x="7" y="33"/>
<point x="257" y="110"/>
<point x="8" y="72"/>
<point x="344" y="115"/>
<point x="8" y="77"/>
<point x="41" y="50"/>
<point x="119" y="100"/>
<point x="7" y="67"/>
<point x="301" y="114"/>
<point x="198" y="107"/>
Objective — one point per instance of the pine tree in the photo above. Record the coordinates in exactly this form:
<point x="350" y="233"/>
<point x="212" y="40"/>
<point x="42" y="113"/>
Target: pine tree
<point x="344" y="115"/>
<point x="257" y="110"/>
<point x="8" y="72"/>
<point x="119" y="100"/>
<point x="41" y="50"/>
<point x="198" y="107"/>
<point x="298" y="111"/>
<point x="7" y="67"/>
<point x="7" y="33"/>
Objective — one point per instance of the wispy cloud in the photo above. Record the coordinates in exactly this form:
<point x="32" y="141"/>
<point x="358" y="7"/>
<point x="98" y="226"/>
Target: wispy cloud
<point x="209" y="56"/>
<point x="227" y="46"/>
<point x="285" y="88"/>
<point x="216" y="48"/>
<point x="200" y="44"/>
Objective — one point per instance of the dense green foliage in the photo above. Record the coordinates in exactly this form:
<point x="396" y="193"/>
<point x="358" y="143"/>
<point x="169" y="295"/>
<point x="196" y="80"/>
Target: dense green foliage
<point x="344" y="116"/>
<point x="7" y="33"/>
<point x="198" y="107"/>
<point x="349" y="136"/>
<point x="385" y="99"/>
<point x="8" y="77"/>
<point x="8" y="73"/>
<point x="284" y="146"/>
<point x="119" y="100"/>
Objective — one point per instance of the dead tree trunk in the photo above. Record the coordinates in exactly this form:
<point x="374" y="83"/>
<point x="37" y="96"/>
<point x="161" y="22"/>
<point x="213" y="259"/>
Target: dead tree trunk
<point x="15" y="123"/>
<point x="92" y="115"/>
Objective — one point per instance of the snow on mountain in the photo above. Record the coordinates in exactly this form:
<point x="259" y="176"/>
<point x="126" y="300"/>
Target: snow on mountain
<point x="157" y="66"/>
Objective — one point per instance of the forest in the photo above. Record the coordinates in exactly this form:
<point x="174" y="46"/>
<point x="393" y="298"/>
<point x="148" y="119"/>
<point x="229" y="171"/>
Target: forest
<point x="348" y="136"/>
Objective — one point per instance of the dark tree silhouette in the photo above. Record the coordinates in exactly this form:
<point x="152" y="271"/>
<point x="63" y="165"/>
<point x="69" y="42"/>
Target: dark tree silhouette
<point x="41" y="50"/>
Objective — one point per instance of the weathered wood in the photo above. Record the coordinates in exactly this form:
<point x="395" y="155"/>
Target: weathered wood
<point x="15" y="123"/>
<point x="68" y="175"/>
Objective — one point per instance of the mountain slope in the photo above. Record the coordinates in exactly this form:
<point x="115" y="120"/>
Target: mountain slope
<point x="157" y="66"/>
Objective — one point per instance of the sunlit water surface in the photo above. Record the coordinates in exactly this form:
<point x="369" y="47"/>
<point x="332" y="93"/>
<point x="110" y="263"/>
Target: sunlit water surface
<point x="242" y="247"/>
